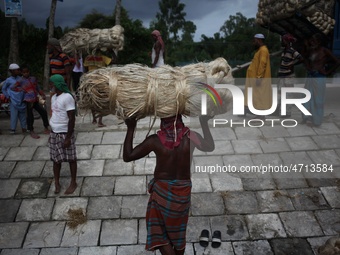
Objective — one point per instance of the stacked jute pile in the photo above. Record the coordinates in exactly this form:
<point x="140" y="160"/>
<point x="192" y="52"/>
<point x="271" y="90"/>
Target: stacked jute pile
<point x="92" y="39"/>
<point x="319" y="13"/>
<point x="136" y="90"/>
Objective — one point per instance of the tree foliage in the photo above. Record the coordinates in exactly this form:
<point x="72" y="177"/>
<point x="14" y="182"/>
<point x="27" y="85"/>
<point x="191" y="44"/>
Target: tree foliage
<point x="233" y="41"/>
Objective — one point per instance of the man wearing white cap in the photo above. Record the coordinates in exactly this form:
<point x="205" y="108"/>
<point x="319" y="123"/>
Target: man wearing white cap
<point x="12" y="89"/>
<point x="259" y="77"/>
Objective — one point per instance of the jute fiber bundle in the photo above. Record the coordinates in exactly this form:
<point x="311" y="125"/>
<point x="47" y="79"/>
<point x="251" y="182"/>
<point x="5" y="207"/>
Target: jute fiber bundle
<point x="136" y="90"/>
<point x="93" y="39"/>
<point x="319" y="13"/>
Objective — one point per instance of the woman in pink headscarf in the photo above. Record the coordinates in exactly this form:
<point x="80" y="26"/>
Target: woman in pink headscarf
<point x="158" y="50"/>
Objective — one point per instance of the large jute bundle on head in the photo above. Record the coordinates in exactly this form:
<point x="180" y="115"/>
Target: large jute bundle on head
<point x="93" y="39"/>
<point x="136" y="90"/>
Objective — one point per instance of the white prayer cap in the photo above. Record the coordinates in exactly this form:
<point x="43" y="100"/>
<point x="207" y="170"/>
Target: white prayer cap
<point x="13" y="67"/>
<point x="259" y="36"/>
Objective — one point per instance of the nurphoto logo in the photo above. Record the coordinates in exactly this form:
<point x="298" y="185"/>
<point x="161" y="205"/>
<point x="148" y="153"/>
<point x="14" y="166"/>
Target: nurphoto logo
<point x="238" y="104"/>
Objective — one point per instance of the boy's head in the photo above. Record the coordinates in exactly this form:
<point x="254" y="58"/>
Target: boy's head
<point x="25" y="71"/>
<point x="14" y="69"/>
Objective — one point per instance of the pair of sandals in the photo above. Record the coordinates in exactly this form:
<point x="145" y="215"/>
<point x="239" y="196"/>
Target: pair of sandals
<point x="215" y="239"/>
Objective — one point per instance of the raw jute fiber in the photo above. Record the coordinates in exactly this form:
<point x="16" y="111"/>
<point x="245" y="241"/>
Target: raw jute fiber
<point x="140" y="91"/>
<point x="90" y="40"/>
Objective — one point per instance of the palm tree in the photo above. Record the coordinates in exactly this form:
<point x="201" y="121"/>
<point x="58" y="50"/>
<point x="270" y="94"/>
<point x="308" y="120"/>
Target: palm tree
<point x="118" y="9"/>
<point x="14" y="44"/>
<point x="50" y="34"/>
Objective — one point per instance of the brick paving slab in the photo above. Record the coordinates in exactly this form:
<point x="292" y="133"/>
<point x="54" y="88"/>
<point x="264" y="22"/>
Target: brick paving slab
<point x="20" y="154"/>
<point x="225" y="182"/>
<point x="29" y="169"/>
<point x="307" y="199"/>
<point x="11" y="140"/>
<point x="248" y="133"/>
<point x="65" y="183"/>
<point x="260" y="183"/>
<point x="12" y="234"/>
<point x="118" y="167"/>
<point x="134" y="206"/>
<point x="98" y="250"/>
<point x="42" y="153"/>
<point x="291" y="246"/>
<point x="232" y="227"/>
<point x="326" y="156"/>
<point x="84" y="151"/>
<point x="329" y="221"/>
<point x="323" y="182"/>
<point x="89" y="138"/>
<point x="327" y="141"/>
<point x="21" y="252"/>
<point x="327" y="129"/>
<point x="104" y="207"/>
<point x="316" y="242"/>
<point x="142" y="231"/>
<point x="301" y="143"/>
<point x="265" y="226"/>
<point x="274" y="145"/>
<point x="300" y="224"/>
<point x="119" y="232"/>
<point x="114" y="137"/>
<point x="295" y="158"/>
<point x="29" y="141"/>
<point x="207" y="204"/>
<point x="246" y="147"/>
<point x="237" y="161"/>
<point x="332" y="195"/>
<point x="195" y="226"/>
<point x="106" y="151"/>
<point x="62" y="206"/>
<point x="124" y="187"/>
<point x="3" y="152"/>
<point x="9" y="209"/>
<point x="83" y="235"/>
<point x="285" y="180"/>
<point x="44" y="234"/>
<point x="35" y="210"/>
<point x="223" y="134"/>
<point x="200" y="183"/>
<point x="301" y="130"/>
<point x="252" y="248"/>
<point x="8" y="188"/>
<point x="59" y="251"/>
<point x="241" y="202"/>
<point x="89" y="167"/>
<point x="33" y="188"/>
<point x="98" y="186"/>
<point x="6" y="169"/>
<point x="222" y="148"/>
<point x="225" y="249"/>
<point x="274" y="201"/>
<point x="277" y="132"/>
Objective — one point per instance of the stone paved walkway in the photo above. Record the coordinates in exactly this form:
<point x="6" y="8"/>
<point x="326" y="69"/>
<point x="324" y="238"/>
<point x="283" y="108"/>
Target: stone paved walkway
<point x="258" y="214"/>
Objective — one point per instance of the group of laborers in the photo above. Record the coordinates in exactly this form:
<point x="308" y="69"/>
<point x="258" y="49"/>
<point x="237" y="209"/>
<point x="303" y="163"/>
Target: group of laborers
<point x="319" y="62"/>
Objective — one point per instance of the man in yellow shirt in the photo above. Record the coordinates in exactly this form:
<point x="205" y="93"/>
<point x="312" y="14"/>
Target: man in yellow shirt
<point x="93" y="62"/>
<point x="259" y="77"/>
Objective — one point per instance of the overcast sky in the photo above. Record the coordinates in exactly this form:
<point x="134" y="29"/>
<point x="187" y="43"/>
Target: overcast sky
<point x="208" y="15"/>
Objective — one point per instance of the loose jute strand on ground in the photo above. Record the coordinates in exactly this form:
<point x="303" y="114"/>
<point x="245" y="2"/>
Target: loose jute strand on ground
<point x="137" y="90"/>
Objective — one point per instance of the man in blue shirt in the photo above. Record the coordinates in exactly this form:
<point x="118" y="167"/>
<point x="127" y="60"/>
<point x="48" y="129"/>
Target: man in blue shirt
<point x="12" y="89"/>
